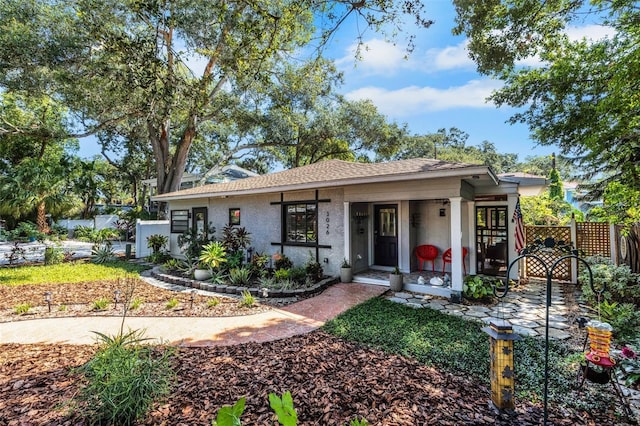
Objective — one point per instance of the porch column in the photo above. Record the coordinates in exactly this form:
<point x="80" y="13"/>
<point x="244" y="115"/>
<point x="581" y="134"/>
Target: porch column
<point x="512" y="199"/>
<point x="347" y="231"/>
<point x="456" y="248"/>
<point x="473" y="264"/>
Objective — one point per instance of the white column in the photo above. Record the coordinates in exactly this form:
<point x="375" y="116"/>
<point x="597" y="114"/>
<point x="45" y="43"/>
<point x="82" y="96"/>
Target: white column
<point x="512" y="199"/>
<point x="456" y="245"/>
<point x="473" y="264"/>
<point x="347" y="231"/>
<point x="613" y="242"/>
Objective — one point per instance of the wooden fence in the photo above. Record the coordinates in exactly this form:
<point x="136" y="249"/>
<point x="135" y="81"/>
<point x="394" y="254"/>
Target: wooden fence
<point x="590" y="238"/>
<point x="628" y="247"/>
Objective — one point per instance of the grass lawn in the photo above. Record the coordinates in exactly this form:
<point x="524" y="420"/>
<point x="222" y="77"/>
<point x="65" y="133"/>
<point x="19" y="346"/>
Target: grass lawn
<point x="458" y="346"/>
<point x="74" y="272"/>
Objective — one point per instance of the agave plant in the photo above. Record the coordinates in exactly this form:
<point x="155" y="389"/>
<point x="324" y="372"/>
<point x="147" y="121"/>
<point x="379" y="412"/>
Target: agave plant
<point x="240" y="276"/>
<point x="102" y="253"/>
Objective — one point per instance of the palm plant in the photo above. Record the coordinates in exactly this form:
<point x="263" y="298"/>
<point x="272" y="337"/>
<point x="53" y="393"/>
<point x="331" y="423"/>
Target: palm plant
<point x="213" y="255"/>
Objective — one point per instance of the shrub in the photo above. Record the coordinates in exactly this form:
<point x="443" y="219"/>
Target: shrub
<point x="156" y="242"/>
<point x="193" y="240"/>
<point x="123" y="380"/>
<point x="298" y="274"/>
<point x="235" y="239"/>
<point x="172" y="265"/>
<point x="476" y="287"/>
<point x="53" y="255"/>
<point x="135" y="303"/>
<point x="282" y="274"/>
<point x="313" y="268"/>
<point x="82" y="233"/>
<point x="172" y="303"/>
<point x="213" y="255"/>
<point x="280" y="261"/>
<point x="213" y="302"/>
<point x="102" y="253"/>
<point x="100" y="304"/>
<point x="621" y="284"/>
<point x="240" y="277"/>
<point x="247" y="299"/>
<point x="22" y="308"/>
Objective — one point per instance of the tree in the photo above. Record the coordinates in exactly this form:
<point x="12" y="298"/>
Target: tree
<point x="119" y="62"/>
<point x="620" y="205"/>
<point x="584" y="95"/>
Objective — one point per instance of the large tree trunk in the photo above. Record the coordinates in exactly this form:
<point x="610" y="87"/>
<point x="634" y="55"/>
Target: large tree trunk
<point x="41" y="218"/>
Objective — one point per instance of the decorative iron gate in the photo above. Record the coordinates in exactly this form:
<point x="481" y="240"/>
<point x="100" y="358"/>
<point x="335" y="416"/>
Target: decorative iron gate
<point x="534" y="267"/>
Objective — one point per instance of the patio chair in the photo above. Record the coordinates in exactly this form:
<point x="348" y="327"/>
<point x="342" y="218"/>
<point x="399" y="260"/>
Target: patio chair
<point x="446" y="258"/>
<point x="427" y="253"/>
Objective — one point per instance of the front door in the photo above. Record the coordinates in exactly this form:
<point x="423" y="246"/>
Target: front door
<point x="199" y="219"/>
<point x="385" y="235"/>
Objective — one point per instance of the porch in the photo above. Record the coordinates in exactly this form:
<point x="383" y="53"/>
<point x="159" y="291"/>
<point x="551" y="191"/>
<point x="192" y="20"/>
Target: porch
<point x="412" y="281"/>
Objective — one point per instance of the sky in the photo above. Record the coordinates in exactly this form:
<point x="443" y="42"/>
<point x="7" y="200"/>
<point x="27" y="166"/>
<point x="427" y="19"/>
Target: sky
<point x="435" y="87"/>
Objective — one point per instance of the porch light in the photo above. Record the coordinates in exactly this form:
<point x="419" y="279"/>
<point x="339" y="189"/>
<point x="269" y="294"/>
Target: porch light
<point x="47" y="298"/>
<point x="116" y="298"/>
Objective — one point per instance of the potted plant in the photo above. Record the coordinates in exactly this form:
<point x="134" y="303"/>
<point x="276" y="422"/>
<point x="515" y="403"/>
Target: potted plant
<point x="395" y="280"/>
<point x="211" y="257"/>
<point x="346" y="275"/>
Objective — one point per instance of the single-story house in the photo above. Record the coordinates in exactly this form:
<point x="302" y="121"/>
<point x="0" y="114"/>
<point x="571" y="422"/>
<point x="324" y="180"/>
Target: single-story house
<point x="372" y="214"/>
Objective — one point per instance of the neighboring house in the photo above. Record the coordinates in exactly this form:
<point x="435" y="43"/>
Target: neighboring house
<point x="374" y="215"/>
<point x="191" y="180"/>
<point x="528" y="184"/>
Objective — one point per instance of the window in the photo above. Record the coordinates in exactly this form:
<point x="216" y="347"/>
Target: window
<point x="179" y="221"/>
<point x="301" y="223"/>
<point x="234" y="217"/>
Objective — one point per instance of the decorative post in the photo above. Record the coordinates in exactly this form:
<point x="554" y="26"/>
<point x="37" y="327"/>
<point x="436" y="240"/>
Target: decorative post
<point x="502" y="372"/>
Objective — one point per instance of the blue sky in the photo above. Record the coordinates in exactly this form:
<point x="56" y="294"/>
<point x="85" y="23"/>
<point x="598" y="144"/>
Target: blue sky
<point x="435" y="87"/>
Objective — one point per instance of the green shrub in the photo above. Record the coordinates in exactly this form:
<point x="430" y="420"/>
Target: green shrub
<point x="123" y="380"/>
<point x="82" y="233"/>
<point x="156" y="242"/>
<point x="476" y="287"/>
<point x="102" y="253"/>
<point x="172" y="265"/>
<point x="280" y="261"/>
<point x="172" y="303"/>
<point x="622" y="285"/>
<point x="213" y="255"/>
<point x="240" y="277"/>
<point x="298" y="274"/>
<point x="53" y="255"/>
<point x="100" y="304"/>
<point x="213" y="302"/>
<point x="247" y="299"/>
<point x="22" y="308"/>
<point x="159" y="257"/>
<point x="135" y="303"/>
<point x="282" y="274"/>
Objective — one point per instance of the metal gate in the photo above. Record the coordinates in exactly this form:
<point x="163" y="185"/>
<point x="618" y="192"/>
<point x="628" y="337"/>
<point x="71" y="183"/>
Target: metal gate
<point x="533" y="266"/>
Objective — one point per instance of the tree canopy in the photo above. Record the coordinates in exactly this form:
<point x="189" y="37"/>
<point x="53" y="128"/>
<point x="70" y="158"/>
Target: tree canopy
<point x="584" y="95"/>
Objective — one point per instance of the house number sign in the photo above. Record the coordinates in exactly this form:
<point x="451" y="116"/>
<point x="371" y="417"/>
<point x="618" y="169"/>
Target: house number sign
<point x="328" y="221"/>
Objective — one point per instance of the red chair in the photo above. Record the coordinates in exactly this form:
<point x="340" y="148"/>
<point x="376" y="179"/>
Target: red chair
<point x="427" y="253"/>
<point x="446" y="258"/>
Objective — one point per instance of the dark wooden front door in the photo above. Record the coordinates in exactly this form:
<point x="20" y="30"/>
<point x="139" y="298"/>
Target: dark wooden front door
<point x="386" y="235"/>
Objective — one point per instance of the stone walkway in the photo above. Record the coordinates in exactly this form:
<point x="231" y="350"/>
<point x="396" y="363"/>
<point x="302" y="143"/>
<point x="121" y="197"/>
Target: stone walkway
<point x="523" y="308"/>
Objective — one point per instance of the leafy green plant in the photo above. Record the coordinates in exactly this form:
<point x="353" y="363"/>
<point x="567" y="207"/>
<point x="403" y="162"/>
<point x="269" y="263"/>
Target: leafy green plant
<point x="620" y="283"/>
<point x="359" y="422"/>
<point x="22" y="308"/>
<point x="172" y="303"/>
<point x="172" y="265"/>
<point x="284" y="409"/>
<point x="623" y="317"/>
<point x="102" y="253"/>
<point x="235" y="238"/>
<point x="240" y="277"/>
<point x="313" y="268"/>
<point x="281" y="261"/>
<point x="229" y="415"/>
<point x="159" y="257"/>
<point x="213" y="302"/>
<point x="281" y="274"/>
<point x="100" y="304"/>
<point x="82" y="233"/>
<point x="193" y="240"/>
<point x="345" y="263"/>
<point x="630" y="365"/>
<point x="135" y="303"/>
<point x="123" y="379"/>
<point x="53" y="255"/>
<point x="62" y="308"/>
<point x="157" y="242"/>
<point x="476" y="287"/>
<point x="298" y="274"/>
<point x="27" y="230"/>
<point x="213" y="255"/>
<point x="247" y="299"/>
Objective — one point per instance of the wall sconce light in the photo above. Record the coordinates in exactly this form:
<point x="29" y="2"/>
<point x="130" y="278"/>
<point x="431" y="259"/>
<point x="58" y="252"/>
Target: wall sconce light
<point x="443" y="212"/>
<point x="116" y="298"/>
<point x="47" y="298"/>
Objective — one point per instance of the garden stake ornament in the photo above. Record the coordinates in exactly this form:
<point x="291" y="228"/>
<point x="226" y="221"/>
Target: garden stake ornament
<point x="534" y="251"/>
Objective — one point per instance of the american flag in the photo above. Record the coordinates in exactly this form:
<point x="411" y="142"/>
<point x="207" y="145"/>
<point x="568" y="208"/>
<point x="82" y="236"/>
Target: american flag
<point x="519" y="227"/>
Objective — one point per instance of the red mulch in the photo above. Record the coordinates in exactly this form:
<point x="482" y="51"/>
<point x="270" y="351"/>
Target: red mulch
<point x="332" y="382"/>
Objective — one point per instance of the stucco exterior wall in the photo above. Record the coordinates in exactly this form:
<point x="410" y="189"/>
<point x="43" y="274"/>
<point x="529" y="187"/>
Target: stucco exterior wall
<point x="262" y="220"/>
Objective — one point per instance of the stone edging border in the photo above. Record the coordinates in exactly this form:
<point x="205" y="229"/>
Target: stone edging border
<point x="254" y="291"/>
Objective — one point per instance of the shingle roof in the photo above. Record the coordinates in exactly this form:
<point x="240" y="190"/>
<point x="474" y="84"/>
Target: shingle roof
<point x="331" y="173"/>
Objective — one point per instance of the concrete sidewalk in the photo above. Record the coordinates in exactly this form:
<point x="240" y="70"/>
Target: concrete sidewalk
<point x="297" y="318"/>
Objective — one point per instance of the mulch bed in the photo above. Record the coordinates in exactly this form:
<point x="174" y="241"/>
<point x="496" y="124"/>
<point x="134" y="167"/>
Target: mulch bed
<point x="77" y="300"/>
<point x="332" y="382"/>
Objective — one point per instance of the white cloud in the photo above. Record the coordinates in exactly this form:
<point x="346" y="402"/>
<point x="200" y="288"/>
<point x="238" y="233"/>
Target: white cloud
<point x="413" y="100"/>
<point x="378" y="57"/>
<point x="590" y="32"/>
